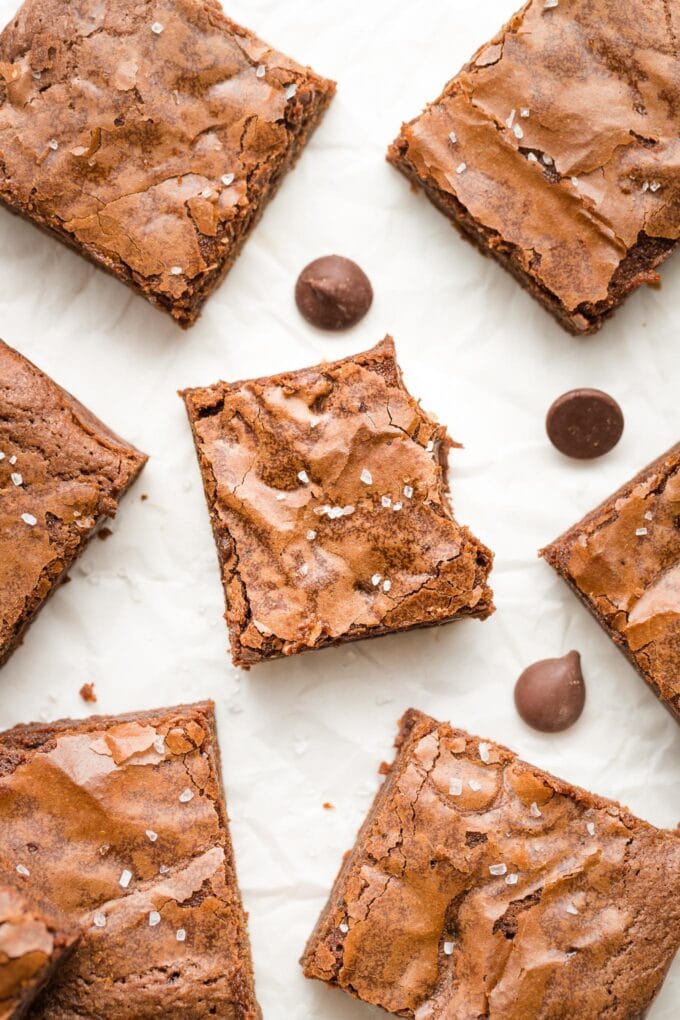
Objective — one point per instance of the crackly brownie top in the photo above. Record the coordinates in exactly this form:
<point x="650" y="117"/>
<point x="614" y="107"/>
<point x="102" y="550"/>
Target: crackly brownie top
<point x="328" y="495"/>
<point x="482" y="886"/>
<point x="561" y="135"/>
<point x="121" y="823"/>
<point x="141" y="128"/>
<point x="30" y="942"/>
<point x="60" y="470"/>
<point x="624" y="559"/>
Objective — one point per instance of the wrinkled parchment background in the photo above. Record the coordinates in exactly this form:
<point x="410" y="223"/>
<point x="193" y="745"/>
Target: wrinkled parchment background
<point x="142" y="618"/>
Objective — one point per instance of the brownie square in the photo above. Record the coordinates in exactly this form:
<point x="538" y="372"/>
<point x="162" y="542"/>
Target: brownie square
<point x="121" y="822"/>
<point x="481" y="886"/>
<point x="34" y="942"/>
<point x="149" y="137"/>
<point x="61" y="472"/>
<point x="327" y="492"/>
<point x="623" y="562"/>
<point x="554" y="151"/>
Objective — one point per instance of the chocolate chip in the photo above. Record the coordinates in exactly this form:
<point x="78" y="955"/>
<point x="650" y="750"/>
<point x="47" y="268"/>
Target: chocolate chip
<point x="550" y="695"/>
<point x="333" y="293"/>
<point x="584" y="423"/>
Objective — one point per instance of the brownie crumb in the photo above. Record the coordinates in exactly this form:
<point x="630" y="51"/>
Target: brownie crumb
<point x="87" y="693"/>
<point x="104" y="533"/>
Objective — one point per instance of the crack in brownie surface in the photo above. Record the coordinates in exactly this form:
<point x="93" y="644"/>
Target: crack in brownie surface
<point x="623" y="561"/>
<point x="481" y="886"/>
<point x="34" y="942"/>
<point x="123" y="825"/>
<point x="61" y="471"/>
<point x="328" y="495"/>
<point x="556" y="150"/>
<point x="148" y="135"/>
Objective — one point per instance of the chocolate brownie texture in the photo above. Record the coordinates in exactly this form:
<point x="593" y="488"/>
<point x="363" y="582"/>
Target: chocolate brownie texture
<point x="34" y="942"/>
<point x="327" y="491"/>
<point x="122" y="823"/>
<point x="61" y="471"/>
<point x="554" y="151"/>
<point x="623" y="562"/>
<point x="149" y="136"/>
<point x="481" y="886"/>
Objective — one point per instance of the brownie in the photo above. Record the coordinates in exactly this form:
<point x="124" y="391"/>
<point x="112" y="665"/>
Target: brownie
<point x="553" y="151"/>
<point x="121" y="821"/>
<point x="148" y="136"/>
<point x="327" y="491"/>
<point x="34" y="942"/>
<point x="481" y="886"/>
<point x="623" y="562"/>
<point x="61" y="471"/>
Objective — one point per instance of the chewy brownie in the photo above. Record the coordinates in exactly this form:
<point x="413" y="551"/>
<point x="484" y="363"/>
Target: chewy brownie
<point x="623" y="562"/>
<point x="121" y="822"/>
<point x="553" y="151"/>
<point x="148" y="136"/>
<point x="481" y="886"/>
<point x="33" y="944"/>
<point x="61" y="471"/>
<point x="327" y="491"/>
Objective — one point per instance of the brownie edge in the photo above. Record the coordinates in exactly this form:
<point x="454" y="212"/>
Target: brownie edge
<point x="480" y="885"/>
<point x="623" y="563"/>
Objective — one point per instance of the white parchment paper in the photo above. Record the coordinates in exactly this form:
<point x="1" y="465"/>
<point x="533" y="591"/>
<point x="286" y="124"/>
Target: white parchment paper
<point x="142" y="618"/>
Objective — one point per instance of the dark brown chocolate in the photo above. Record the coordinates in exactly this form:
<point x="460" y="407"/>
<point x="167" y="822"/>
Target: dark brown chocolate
<point x="333" y="293"/>
<point x="584" y="423"/>
<point x="550" y="694"/>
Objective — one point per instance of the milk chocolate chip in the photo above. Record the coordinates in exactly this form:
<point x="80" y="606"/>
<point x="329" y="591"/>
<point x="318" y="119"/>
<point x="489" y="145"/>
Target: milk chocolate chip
<point x="550" y="695"/>
<point x="333" y="293"/>
<point x="584" y="423"/>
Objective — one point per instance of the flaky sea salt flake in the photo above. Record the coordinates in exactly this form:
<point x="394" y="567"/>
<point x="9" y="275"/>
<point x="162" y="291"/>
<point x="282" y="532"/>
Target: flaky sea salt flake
<point x="448" y="948"/>
<point x="154" y="918"/>
<point x="386" y="586"/>
<point x="512" y="879"/>
<point x="99" y="920"/>
<point x="228" y="179"/>
<point x="641" y="532"/>
<point x="261" y="71"/>
<point x="571" y="909"/>
<point x="186" y="795"/>
<point x="157" y="28"/>
<point x="16" y="478"/>
<point x="518" y="132"/>
<point x="535" y="810"/>
<point x="453" y="137"/>
<point x="29" y="519"/>
<point x="461" y="168"/>
<point x="498" y="869"/>
<point x="408" y="491"/>
<point x="125" y="878"/>
<point x="474" y="785"/>
<point x="311" y="535"/>
<point x="366" y="477"/>
<point x="290" y="91"/>
<point x="151" y="835"/>
<point x="386" y="502"/>
<point x="590" y="828"/>
<point x="304" y="477"/>
<point x="456" y="787"/>
<point x="23" y="871"/>
<point x="484" y="752"/>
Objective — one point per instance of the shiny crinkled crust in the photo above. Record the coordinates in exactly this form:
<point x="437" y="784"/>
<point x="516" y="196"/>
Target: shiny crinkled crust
<point x="149" y="136"/>
<point x="328" y="497"/>
<point x="623" y="562"/>
<point x="480" y="885"/>
<point x="128" y="825"/>
<point x="34" y="942"/>
<point x="556" y="151"/>
<point x="61" y="471"/>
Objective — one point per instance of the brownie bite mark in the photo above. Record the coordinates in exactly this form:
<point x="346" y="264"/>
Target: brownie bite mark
<point x="34" y="942"/>
<point x="128" y="827"/>
<point x="327" y="492"/>
<point x="623" y="562"/>
<point x="555" y="151"/>
<point x="61" y="472"/>
<point x="481" y="886"/>
<point x="149" y="136"/>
